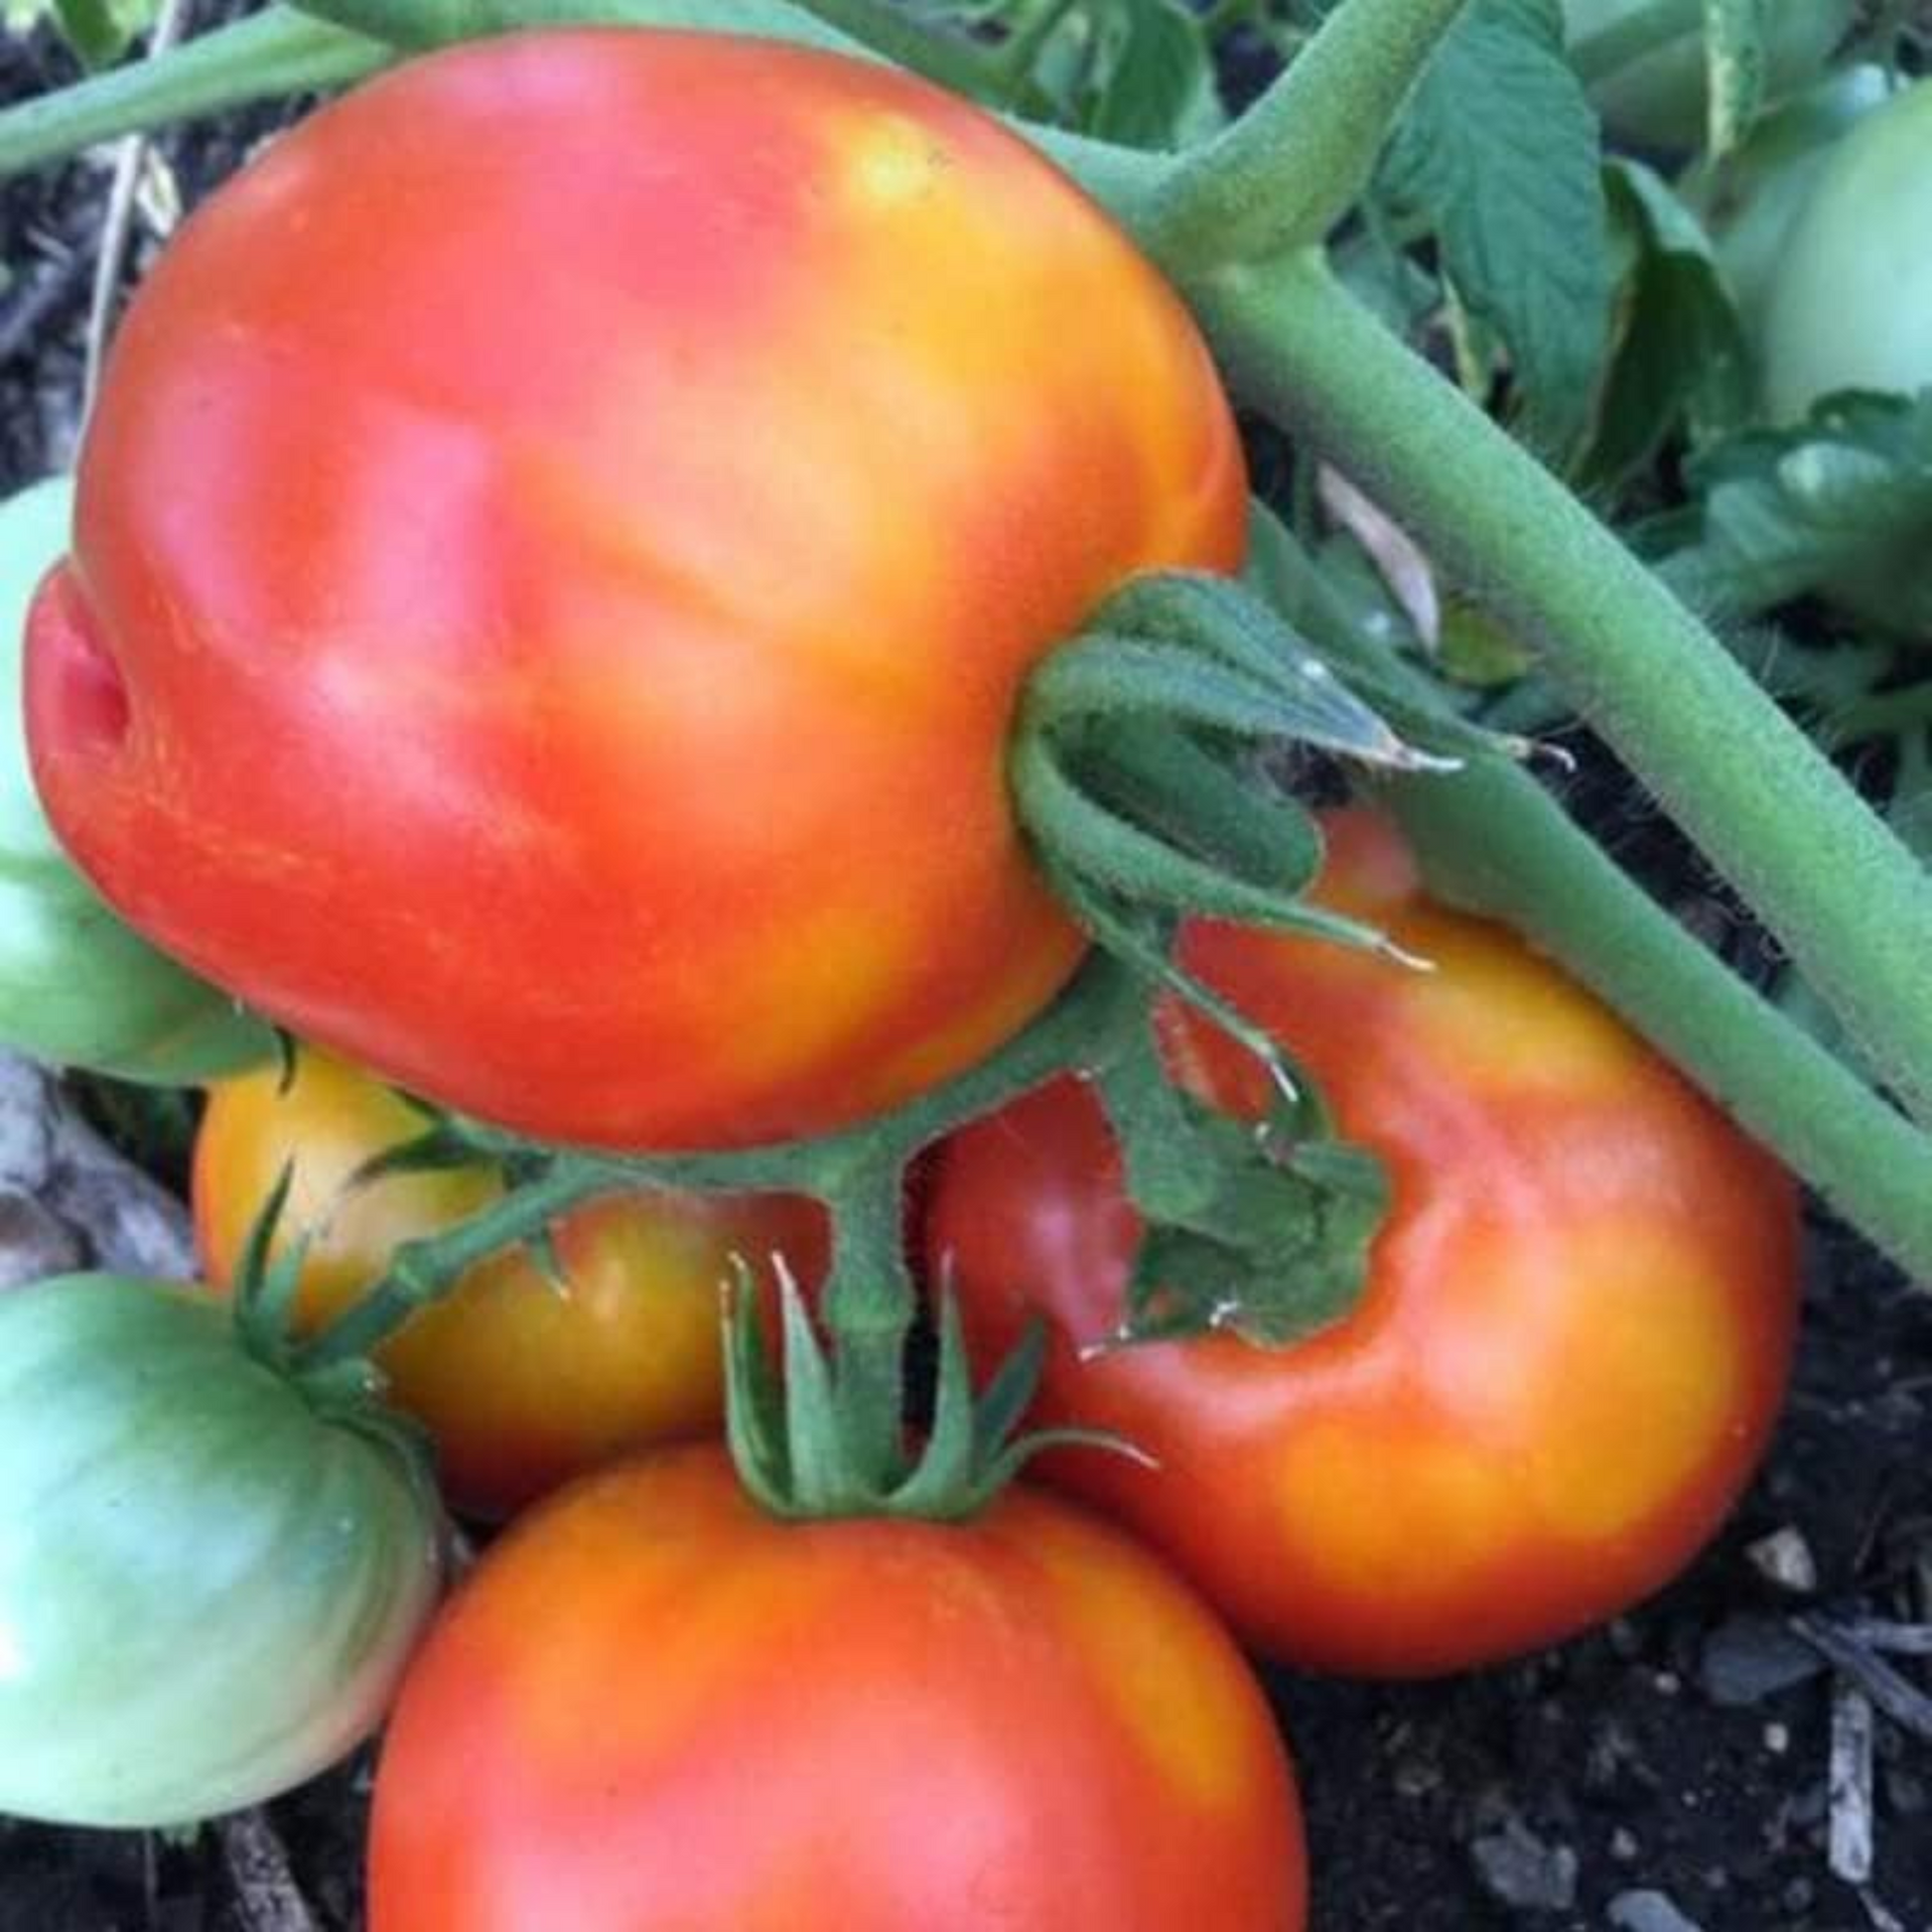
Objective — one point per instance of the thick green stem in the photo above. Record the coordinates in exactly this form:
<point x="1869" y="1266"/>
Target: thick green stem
<point x="277" y="51"/>
<point x="1846" y="898"/>
<point x="1093" y="1011"/>
<point x="1291" y="167"/>
<point x="1492" y="840"/>
<point x="280" y="52"/>
<point x="868" y="1307"/>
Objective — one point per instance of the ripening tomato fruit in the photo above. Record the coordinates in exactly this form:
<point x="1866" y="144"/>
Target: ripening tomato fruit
<point x="522" y="1379"/>
<point x="654" y="1705"/>
<point x="1572" y="1343"/>
<point x="211" y="1577"/>
<point x="556" y="642"/>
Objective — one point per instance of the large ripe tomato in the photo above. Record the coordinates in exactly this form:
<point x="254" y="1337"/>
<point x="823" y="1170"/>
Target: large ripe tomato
<point x="654" y="1705"/>
<point x="1574" y="1340"/>
<point x="557" y="551"/>
<point x="523" y="1380"/>
<point x="208" y="1586"/>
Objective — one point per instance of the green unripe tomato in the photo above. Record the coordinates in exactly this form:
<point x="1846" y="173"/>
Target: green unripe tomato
<point x="1852" y="306"/>
<point x="1655" y="95"/>
<point x="76" y="986"/>
<point x="208" y="1588"/>
<point x="1750" y="204"/>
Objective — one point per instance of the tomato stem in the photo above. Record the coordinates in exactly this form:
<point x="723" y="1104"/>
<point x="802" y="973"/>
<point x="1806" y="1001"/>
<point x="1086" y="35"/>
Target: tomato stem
<point x="275" y="52"/>
<point x="1851" y="903"/>
<point x="1284" y="174"/>
<point x="1494" y="842"/>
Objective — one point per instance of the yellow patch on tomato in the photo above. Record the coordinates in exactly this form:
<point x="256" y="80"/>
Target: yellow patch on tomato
<point x="1560" y="1040"/>
<point x="997" y="1016"/>
<point x="1359" y="1502"/>
<point x="889" y="162"/>
<point x="1653" y="1390"/>
<point x="807" y="991"/>
<point x="1142" y="1652"/>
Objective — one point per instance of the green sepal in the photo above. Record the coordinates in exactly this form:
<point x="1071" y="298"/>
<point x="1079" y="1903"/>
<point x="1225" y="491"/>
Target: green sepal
<point x="439" y="1148"/>
<point x="1206" y="796"/>
<point x="265" y="1283"/>
<point x="797" y="1456"/>
<point x="755" y="1395"/>
<point x="1261" y="1229"/>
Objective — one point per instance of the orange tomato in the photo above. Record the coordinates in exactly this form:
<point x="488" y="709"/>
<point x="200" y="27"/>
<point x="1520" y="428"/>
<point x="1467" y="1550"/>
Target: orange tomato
<point x="1576" y="1332"/>
<point x="522" y="1379"/>
<point x="654" y="1705"/>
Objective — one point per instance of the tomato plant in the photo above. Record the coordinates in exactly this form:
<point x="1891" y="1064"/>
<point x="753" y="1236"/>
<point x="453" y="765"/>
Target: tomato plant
<point x="209" y="1579"/>
<point x="590" y="709"/>
<point x="77" y="987"/>
<point x="522" y="1380"/>
<point x="654" y="1705"/>
<point x="1851" y="305"/>
<point x="1657" y="96"/>
<point x="1571" y="1349"/>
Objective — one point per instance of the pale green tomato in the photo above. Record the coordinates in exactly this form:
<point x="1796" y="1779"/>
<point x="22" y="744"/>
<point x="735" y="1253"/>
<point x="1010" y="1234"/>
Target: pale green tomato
<point x="1656" y="96"/>
<point x="1750" y="204"/>
<point x="208" y="1587"/>
<point x="1852" y="307"/>
<point x="76" y="986"/>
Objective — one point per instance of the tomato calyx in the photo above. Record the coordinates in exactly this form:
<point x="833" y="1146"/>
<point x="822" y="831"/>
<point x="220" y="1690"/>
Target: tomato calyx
<point x="827" y="1439"/>
<point x="1255" y="1228"/>
<point x="346" y="1388"/>
<point x="1133" y="773"/>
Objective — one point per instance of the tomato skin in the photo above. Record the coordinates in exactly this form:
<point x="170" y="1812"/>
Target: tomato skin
<point x="523" y="1382"/>
<point x="1851" y="305"/>
<point x="654" y="1705"/>
<point x="1572" y="1345"/>
<point x="77" y="987"/>
<point x="636" y="656"/>
<point x="207" y="1590"/>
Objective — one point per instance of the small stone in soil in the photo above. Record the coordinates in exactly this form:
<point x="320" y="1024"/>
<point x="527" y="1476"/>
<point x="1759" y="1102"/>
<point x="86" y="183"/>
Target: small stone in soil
<point x="1747" y="1659"/>
<point x="1517" y="1867"/>
<point x="1649" y="1911"/>
<point x="1784" y="1557"/>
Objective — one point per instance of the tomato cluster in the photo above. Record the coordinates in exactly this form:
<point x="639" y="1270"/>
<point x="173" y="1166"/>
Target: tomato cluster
<point x="568" y="710"/>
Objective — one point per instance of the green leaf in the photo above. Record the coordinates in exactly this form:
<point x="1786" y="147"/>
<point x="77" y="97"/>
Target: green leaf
<point x="1158" y="90"/>
<point x="1841" y="506"/>
<point x="1679" y="358"/>
<point x="1498" y="152"/>
<point x="1137" y="71"/>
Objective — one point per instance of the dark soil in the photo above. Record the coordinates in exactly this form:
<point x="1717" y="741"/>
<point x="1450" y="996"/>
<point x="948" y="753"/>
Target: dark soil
<point x="1671" y="1773"/>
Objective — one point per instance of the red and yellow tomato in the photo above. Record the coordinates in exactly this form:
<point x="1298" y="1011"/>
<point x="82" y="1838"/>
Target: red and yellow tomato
<point x="556" y="642"/>
<point x="1574" y="1340"/>
<point x="522" y="1380"/>
<point x="653" y="1705"/>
